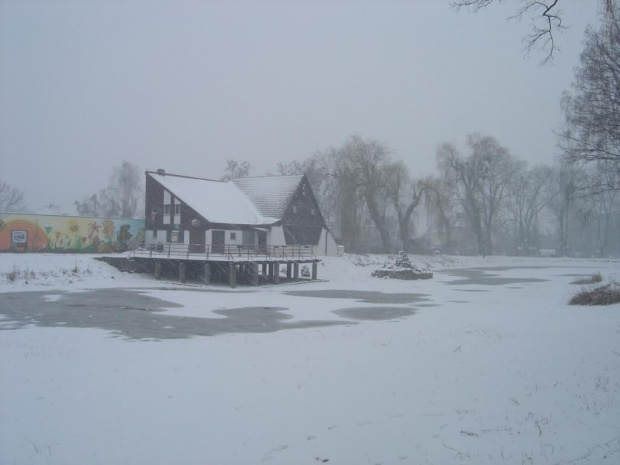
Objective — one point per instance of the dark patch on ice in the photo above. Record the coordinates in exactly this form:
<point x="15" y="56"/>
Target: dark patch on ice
<point x="374" y="313"/>
<point x="136" y="316"/>
<point x="371" y="297"/>
<point x="480" y="277"/>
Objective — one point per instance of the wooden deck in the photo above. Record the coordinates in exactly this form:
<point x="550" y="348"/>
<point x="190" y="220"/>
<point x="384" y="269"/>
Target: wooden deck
<point x="227" y="253"/>
<point x="230" y="264"/>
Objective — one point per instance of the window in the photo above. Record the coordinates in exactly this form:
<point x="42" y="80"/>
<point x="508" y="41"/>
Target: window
<point x="154" y="233"/>
<point x="248" y="237"/>
<point x="177" y="208"/>
<point x="177" y="236"/>
<point x="312" y="211"/>
<point x="233" y="236"/>
<point x="294" y="208"/>
<point x="167" y="209"/>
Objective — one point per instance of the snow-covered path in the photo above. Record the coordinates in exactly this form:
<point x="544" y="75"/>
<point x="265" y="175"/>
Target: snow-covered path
<point x="491" y="367"/>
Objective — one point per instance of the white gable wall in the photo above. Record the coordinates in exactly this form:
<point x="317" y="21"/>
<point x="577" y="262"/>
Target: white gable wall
<point x="327" y="245"/>
<point x="276" y="236"/>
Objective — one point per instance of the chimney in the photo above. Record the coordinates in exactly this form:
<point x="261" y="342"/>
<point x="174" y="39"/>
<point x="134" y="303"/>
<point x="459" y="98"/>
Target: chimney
<point x="161" y="172"/>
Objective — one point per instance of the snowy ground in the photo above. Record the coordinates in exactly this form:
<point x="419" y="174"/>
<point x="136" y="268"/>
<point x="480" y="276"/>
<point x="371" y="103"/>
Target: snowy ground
<point x="489" y="365"/>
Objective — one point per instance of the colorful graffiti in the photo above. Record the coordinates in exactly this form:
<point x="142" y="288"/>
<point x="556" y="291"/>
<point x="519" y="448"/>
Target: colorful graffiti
<point x="47" y="233"/>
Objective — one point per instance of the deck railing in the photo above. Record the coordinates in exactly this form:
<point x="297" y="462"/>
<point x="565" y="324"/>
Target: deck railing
<point x="226" y="252"/>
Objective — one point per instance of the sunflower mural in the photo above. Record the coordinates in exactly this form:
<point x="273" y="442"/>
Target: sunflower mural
<point x="50" y="233"/>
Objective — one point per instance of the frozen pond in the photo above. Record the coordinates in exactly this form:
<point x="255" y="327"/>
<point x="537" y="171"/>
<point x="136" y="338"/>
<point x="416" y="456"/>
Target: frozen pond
<point x="132" y="314"/>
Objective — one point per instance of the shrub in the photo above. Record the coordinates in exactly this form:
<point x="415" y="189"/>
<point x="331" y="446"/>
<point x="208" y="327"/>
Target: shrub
<point x="606" y="294"/>
<point x="13" y="274"/>
<point x="594" y="279"/>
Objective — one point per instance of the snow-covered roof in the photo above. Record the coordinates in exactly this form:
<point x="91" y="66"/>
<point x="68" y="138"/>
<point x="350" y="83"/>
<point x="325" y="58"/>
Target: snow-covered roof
<point x="216" y="201"/>
<point x="270" y="194"/>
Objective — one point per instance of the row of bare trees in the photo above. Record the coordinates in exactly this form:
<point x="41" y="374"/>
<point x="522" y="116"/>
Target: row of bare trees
<point x="484" y="201"/>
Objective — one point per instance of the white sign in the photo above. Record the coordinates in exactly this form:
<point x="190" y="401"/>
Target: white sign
<point x="19" y="237"/>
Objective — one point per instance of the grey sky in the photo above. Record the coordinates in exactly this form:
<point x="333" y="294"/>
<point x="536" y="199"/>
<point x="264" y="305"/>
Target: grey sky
<point x="184" y="85"/>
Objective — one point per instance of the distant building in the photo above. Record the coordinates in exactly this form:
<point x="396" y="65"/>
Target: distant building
<point x="247" y="213"/>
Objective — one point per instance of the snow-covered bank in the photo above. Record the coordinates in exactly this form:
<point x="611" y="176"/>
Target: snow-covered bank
<point x="493" y="367"/>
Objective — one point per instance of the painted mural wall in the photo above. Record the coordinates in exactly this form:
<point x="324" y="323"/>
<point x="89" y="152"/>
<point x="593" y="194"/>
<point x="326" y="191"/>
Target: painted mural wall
<point x="75" y="234"/>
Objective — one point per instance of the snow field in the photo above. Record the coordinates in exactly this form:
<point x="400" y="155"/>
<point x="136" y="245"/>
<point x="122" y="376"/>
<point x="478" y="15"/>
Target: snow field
<point x="505" y="374"/>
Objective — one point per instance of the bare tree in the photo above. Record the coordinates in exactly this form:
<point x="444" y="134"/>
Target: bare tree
<point x="546" y="20"/>
<point x="525" y="203"/>
<point x="545" y="16"/>
<point x="235" y="169"/>
<point x="406" y="195"/>
<point x="479" y="182"/>
<point x="595" y="210"/>
<point x="591" y="131"/>
<point x="365" y="163"/>
<point x="561" y="194"/>
<point x="440" y="207"/>
<point x="496" y="168"/>
<point x="89" y="206"/>
<point x="122" y="197"/>
<point x="461" y="175"/>
<point x="11" y="198"/>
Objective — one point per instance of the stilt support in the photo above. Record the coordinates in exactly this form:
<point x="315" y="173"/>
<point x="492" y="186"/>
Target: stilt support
<point x="276" y="273"/>
<point x="157" y="269"/>
<point x="182" y="269"/>
<point x="315" y="271"/>
<point x="253" y="268"/>
<point x="232" y="275"/>
<point x="207" y="274"/>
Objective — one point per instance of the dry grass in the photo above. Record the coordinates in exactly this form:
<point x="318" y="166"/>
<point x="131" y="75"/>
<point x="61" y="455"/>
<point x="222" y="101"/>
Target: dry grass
<point x="606" y="294"/>
<point x="593" y="279"/>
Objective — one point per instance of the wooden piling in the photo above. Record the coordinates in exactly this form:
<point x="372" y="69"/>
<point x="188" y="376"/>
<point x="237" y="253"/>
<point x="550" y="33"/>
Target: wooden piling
<point x="232" y="275"/>
<point x="276" y="273"/>
<point x="182" y="269"/>
<point x="157" y="269"/>
<point x="207" y="274"/>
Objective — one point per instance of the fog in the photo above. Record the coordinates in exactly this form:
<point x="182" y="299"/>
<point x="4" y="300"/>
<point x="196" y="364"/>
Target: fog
<point x="186" y="85"/>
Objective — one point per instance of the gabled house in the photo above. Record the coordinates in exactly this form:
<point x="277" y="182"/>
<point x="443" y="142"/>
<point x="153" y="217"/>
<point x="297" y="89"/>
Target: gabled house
<point x="247" y="213"/>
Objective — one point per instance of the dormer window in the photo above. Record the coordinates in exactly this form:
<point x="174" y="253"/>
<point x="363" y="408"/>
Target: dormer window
<point x="294" y="208"/>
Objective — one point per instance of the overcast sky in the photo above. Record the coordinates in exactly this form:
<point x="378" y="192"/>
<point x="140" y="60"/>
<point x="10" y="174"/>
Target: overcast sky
<point x="184" y="85"/>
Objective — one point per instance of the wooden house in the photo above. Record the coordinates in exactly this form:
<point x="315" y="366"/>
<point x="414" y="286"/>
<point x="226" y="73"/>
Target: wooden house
<point x="254" y="213"/>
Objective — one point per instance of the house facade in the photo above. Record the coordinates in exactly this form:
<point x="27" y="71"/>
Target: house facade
<point x="247" y="213"/>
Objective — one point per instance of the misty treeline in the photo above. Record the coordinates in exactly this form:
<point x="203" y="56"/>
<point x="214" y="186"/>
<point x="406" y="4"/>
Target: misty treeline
<point x="483" y="201"/>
